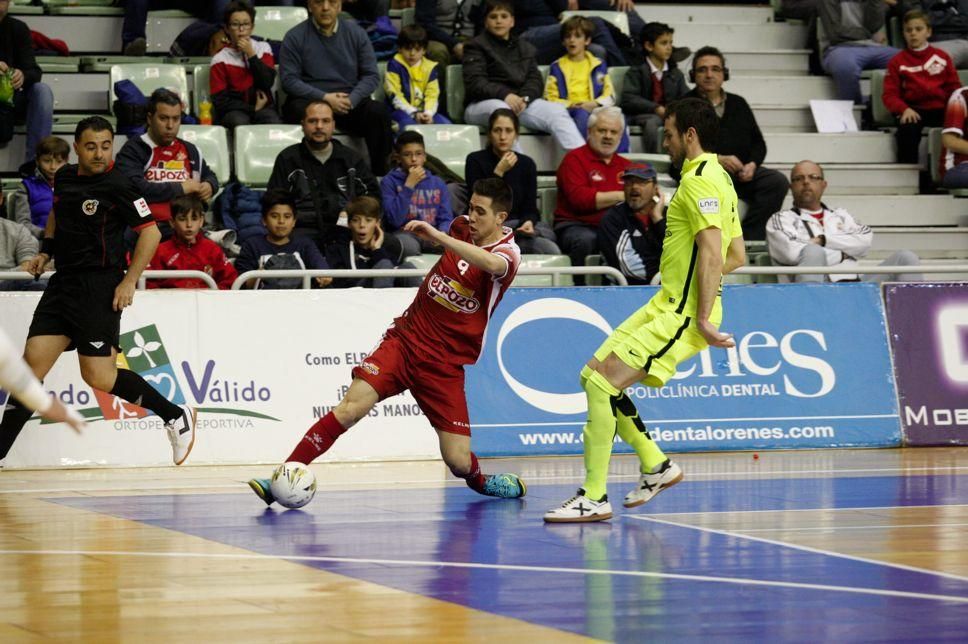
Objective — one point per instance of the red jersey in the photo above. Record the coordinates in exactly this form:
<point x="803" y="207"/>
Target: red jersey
<point x="169" y="163"/>
<point x="921" y="80"/>
<point x="581" y="175"/>
<point x="955" y="122"/>
<point x="204" y="255"/>
<point x="449" y="316"/>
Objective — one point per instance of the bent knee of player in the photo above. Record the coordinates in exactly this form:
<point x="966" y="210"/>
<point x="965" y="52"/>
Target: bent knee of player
<point x="617" y="373"/>
<point x="458" y="463"/>
<point x="98" y="377"/>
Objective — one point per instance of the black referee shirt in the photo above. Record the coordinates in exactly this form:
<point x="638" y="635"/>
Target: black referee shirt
<point x="91" y="213"/>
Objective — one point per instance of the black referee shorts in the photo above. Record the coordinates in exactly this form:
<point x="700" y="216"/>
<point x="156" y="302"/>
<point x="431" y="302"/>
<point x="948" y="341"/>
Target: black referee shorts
<point x="80" y="306"/>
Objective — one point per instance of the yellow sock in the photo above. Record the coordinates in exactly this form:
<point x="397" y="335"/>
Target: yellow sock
<point x="633" y="431"/>
<point x="599" y="432"/>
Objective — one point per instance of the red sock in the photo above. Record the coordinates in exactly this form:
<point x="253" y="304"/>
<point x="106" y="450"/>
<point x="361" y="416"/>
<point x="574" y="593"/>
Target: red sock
<point x="317" y="440"/>
<point x="475" y="480"/>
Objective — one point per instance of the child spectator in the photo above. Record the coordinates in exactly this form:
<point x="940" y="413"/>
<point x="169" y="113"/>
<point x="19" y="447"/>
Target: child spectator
<point x="34" y="199"/>
<point x="278" y="250"/>
<point x="369" y="247"/>
<point x="501" y="70"/>
<point x="243" y="73"/>
<point x="411" y="83"/>
<point x="189" y="250"/>
<point x="410" y="191"/>
<point x="649" y="87"/>
<point x="917" y="86"/>
<point x="519" y="172"/>
<point x="578" y="80"/>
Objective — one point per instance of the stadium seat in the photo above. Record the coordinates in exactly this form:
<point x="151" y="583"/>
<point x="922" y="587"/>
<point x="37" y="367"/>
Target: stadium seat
<point x="882" y="116"/>
<point x="455" y="93"/>
<point x="617" y="74"/>
<point x="450" y="143"/>
<point x="200" y="85"/>
<point x="661" y="162"/>
<point x="934" y="154"/>
<point x="426" y="260"/>
<point x="82" y="8"/>
<point x="379" y="94"/>
<point x="272" y="23"/>
<point x="618" y="18"/>
<point x="541" y="261"/>
<point x="213" y="143"/>
<point x="256" y="148"/>
<point x="149" y="77"/>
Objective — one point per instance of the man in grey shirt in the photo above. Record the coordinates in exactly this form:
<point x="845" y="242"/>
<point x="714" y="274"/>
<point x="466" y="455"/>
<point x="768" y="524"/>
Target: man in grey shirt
<point x="332" y="59"/>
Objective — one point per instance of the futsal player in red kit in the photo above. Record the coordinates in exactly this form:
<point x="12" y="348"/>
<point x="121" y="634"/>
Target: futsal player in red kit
<point x="426" y="348"/>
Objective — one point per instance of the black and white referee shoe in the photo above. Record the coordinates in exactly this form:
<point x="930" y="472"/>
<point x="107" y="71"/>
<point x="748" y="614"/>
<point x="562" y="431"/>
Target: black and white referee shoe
<point x="580" y="509"/>
<point x="181" y="434"/>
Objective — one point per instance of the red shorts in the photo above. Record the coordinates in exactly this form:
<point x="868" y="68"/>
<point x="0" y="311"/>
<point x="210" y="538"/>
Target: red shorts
<point x="437" y="387"/>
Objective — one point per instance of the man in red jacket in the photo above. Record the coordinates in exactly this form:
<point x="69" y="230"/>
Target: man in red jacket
<point x="589" y="183"/>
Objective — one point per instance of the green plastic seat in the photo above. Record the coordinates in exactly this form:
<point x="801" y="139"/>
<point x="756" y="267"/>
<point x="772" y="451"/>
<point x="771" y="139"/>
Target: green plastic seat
<point x="150" y="76"/>
<point x="541" y="261"/>
<point x="59" y="64"/>
<point x="617" y="75"/>
<point x="104" y="62"/>
<point x="256" y="149"/>
<point x="661" y="162"/>
<point x="200" y="85"/>
<point x="272" y="23"/>
<point x="455" y="93"/>
<point x="427" y="260"/>
<point x="882" y="116"/>
<point x="213" y="142"/>
<point x="618" y="18"/>
<point x="450" y="143"/>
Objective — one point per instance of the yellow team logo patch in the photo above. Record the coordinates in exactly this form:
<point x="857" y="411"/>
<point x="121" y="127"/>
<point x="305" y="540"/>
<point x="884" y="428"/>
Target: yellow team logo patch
<point x="452" y="295"/>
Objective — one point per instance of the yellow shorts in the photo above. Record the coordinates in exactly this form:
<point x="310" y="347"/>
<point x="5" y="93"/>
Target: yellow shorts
<point x="654" y="341"/>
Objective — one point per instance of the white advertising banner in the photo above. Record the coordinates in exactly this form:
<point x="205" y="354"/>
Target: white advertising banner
<point x="260" y="368"/>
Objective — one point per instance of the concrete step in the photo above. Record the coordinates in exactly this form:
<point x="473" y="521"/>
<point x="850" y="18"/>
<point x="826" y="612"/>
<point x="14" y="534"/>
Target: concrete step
<point x="932" y="242"/>
<point x="900" y="210"/>
<point x="740" y="37"/>
<point x="81" y="33"/>
<point x="79" y="91"/>
<point x="865" y="178"/>
<point x="778" y="62"/>
<point x="789" y="118"/>
<point x="846" y="147"/>
<point x="705" y="14"/>
<point x="781" y="90"/>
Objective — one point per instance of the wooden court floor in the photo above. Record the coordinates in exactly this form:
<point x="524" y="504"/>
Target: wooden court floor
<point x="848" y="545"/>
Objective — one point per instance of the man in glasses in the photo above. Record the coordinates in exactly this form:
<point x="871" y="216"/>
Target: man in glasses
<point x="740" y="144"/>
<point x="813" y="234"/>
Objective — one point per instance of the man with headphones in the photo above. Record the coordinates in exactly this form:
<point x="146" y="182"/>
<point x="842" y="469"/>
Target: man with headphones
<point x="740" y="144"/>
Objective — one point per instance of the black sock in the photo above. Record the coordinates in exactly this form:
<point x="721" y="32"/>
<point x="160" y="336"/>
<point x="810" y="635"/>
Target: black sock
<point x="133" y="388"/>
<point x="14" y="419"/>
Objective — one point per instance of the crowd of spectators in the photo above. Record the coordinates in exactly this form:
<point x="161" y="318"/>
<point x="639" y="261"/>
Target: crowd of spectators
<point x="328" y="206"/>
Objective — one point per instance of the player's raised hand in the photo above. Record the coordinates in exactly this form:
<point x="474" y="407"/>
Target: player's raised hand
<point x="422" y="229"/>
<point x="714" y="337"/>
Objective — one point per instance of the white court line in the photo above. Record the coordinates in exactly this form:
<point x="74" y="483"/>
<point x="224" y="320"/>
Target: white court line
<point x="857" y="527"/>
<point x="694" y="420"/>
<point x="819" y="551"/>
<point x="874" y="507"/>
<point x="516" y="568"/>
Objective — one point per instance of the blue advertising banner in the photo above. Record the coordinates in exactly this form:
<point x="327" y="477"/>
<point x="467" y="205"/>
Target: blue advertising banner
<point x="810" y="369"/>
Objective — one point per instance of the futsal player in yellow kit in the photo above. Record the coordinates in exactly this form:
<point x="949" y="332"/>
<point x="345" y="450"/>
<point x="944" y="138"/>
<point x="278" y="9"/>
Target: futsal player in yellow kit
<point x="703" y="241"/>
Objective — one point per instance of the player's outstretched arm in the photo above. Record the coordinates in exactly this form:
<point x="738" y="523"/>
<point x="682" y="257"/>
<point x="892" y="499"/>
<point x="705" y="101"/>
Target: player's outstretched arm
<point x="709" y="273"/>
<point x="735" y="255"/>
<point x="144" y="250"/>
<point x="473" y="255"/>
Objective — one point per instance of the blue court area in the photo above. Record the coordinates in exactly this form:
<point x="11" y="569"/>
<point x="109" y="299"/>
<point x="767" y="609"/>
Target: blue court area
<point x="644" y="576"/>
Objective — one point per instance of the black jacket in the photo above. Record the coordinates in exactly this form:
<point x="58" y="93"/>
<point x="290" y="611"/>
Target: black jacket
<point x="16" y="49"/>
<point x="629" y="246"/>
<point x="739" y="135"/>
<point x="637" y="90"/>
<point x="522" y="179"/>
<point x="322" y="191"/>
<point x="494" y="68"/>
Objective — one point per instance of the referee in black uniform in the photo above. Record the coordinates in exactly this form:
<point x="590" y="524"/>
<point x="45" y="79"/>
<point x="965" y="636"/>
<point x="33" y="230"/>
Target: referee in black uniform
<point x="81" y="307"/>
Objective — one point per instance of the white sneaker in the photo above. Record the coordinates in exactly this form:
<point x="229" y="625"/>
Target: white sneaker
<point x="580" y="508"/>
<point x="181" y="434"/>
<point x="651" y="484"/>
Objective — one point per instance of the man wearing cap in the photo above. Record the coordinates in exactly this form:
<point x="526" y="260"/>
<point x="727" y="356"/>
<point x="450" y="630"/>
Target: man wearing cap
<point x="589" y="182"/>
<point x="630" y="235"/>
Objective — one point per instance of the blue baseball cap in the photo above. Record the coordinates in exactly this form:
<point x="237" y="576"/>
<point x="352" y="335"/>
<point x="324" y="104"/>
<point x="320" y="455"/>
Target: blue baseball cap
<point x="645" y="172"/>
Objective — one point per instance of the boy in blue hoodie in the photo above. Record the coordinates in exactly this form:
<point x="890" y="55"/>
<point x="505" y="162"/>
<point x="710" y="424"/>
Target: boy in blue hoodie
<point x="410" y="191"/>
<point x="34" y="198"/>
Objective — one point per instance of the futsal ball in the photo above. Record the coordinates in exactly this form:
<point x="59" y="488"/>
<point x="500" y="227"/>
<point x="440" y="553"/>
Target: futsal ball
<point x="293" y="485"/>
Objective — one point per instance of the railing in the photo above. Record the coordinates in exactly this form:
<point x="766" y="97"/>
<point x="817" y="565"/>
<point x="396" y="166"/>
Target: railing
<point x="146" y="275"/>
<point x="555" y="271"/>
<point x="850" y="270"/>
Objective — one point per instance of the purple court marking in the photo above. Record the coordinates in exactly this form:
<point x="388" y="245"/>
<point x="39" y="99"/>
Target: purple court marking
<point x="455" y="525"/>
